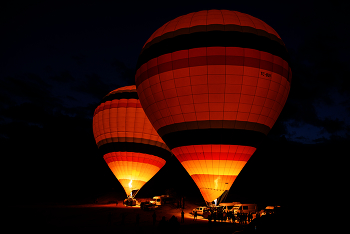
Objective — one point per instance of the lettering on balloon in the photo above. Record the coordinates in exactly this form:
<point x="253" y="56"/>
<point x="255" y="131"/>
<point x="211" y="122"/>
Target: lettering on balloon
<point x="266" y="74"/>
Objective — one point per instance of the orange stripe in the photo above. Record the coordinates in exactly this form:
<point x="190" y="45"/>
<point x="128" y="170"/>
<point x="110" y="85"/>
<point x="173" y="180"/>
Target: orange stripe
<point x="214" y="167"/>
<point x="212" y="186"/>
<point x="214" y="152"/>
<point x="134" y="157"/>
<point x="220" y="182"/>
<point x="133" y="170"/>
<point x="135" y="184"/>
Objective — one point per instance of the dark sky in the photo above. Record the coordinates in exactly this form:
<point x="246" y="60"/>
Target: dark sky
<point x="58" y="59"/>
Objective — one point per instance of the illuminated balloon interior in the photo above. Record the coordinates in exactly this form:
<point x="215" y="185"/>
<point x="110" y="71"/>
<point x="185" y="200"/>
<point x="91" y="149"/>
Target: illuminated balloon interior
<point x="131" y="147"/>
<point x="213" y="83"/>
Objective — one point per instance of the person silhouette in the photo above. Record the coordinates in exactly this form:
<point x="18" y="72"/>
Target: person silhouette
<point x="209" y="217"/>
<point x="182" y="216"/>
<point x="250" y="217"/>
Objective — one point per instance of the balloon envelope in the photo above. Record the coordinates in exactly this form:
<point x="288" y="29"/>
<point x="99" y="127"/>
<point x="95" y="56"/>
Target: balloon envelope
<point x="213" y="83"/>
<point x="128" y="142"/>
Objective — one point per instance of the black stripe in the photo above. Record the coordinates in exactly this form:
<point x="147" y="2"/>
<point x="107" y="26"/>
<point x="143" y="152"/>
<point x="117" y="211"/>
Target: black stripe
<point x="132" y="139"/>
<point x="123" y="95"/>
<point x="213" y="27"/>
<point x="213" y="136"/>
<point x="205" y="124"/>
<point x="135" y="147"/>
<point x="210" y="39"/>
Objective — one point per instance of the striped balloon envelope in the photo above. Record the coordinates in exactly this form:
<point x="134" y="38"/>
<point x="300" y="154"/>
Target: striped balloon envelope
<point x="128" y="142"/>
<point x="213" y="84"/>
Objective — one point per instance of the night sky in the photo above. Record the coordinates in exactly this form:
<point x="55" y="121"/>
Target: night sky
<point x="58" y="60"/>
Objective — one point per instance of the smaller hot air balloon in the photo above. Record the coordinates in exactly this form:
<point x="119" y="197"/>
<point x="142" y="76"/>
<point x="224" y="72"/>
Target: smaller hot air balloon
<point x="128" y="142"/>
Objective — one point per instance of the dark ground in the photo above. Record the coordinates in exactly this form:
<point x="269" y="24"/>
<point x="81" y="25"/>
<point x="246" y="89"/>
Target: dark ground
<point x="106" y="218"/>
<point x="305" y="179"/>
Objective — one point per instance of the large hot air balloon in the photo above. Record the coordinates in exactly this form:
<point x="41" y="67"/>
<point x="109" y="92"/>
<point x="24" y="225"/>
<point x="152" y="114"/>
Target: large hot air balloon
<point x="213" y="83"/>
<point x="128" y="142"/>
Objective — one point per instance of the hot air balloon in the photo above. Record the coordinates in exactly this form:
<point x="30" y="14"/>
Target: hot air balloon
<point x="128" y="142"/>
<point x="213" y="84"/>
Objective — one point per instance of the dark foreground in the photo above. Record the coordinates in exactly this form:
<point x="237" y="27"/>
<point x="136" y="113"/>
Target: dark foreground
<point x="111" y="218"/>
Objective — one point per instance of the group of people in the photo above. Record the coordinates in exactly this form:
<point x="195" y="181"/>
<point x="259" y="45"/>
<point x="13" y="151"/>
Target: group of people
<point x="212" y="215"/>
<point x="244" y="218"/>
<point x="223" y="216"/>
